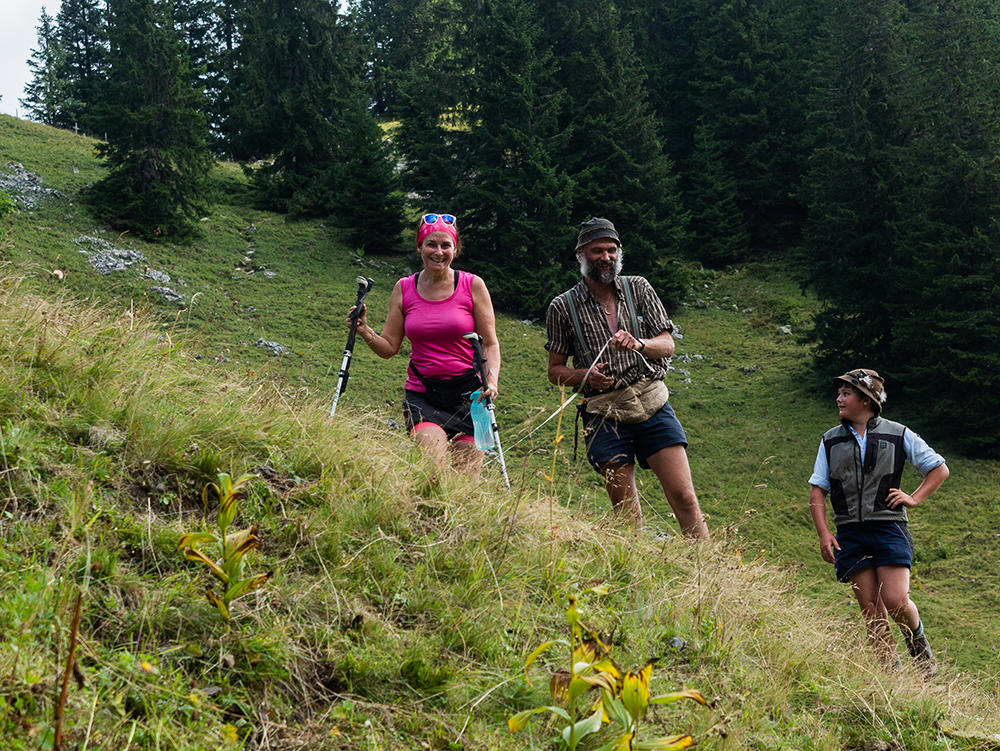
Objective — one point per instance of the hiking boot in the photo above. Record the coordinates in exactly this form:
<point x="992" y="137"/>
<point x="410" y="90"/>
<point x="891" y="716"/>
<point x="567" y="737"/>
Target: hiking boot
<point x="920" y="651"/>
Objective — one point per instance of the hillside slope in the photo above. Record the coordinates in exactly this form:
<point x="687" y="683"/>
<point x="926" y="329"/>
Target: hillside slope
<point x="400" y="611"/>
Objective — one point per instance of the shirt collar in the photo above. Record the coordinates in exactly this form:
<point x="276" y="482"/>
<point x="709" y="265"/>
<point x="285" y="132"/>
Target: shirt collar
<point x="587" y="293"/>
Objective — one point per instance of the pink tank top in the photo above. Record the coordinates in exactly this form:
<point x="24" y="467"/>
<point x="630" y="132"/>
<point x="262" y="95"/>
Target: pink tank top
<point x="435" y="329"/>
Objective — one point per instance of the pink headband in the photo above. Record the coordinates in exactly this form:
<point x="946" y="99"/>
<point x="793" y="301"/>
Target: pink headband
<point x="438" y="226"/>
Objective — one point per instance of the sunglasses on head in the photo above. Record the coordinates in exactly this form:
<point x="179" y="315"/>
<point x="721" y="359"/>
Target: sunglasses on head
<point x="432" y="218"/>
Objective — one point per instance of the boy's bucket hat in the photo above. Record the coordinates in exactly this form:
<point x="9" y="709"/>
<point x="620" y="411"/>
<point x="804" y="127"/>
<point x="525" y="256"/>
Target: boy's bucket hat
<point x="868" y="382"/>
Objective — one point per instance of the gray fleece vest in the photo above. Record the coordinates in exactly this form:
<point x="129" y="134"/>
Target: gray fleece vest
<point x="858" y="490"/>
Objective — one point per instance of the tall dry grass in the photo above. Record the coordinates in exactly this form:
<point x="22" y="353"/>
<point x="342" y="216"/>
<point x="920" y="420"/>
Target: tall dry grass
<point x="402" y="605"/>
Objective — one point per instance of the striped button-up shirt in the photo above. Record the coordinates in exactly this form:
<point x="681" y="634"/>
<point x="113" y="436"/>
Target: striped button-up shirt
<point x="625" y="367"/>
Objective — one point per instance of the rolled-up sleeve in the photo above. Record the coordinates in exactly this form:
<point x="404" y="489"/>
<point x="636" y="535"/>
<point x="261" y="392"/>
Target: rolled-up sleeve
<point x="656" y="319"/>
<point x="821" y="470"/>
<point x="920" y="455"/>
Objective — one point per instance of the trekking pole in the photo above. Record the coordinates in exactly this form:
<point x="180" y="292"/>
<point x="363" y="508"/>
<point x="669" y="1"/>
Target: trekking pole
<point x="364" y="287"/>
<point x="480" y="361"/>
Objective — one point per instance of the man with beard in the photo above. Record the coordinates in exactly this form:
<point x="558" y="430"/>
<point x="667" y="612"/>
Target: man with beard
<point x="619" y="336"/>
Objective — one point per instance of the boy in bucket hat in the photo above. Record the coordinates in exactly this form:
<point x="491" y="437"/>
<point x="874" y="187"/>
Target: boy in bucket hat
<point x="860" y="464"/>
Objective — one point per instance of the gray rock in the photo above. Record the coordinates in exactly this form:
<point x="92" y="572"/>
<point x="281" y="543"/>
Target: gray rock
<point x="25" y="188"/>
<point x="273" y="348"/>
<point x="89" y="243"/>
<point x="169" y="294"/>
<point x="676" y="644"/>
<point x="785" y="331"/>
<point x="157" y="276"/>
<point x="108" y="261"/>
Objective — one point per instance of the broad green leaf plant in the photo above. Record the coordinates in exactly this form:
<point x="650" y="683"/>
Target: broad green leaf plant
<point x="622" y="697"/>
<point x="232" y="547"/>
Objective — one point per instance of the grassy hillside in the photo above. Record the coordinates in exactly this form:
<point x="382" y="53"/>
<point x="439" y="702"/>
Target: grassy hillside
<point x="400" y="612"/>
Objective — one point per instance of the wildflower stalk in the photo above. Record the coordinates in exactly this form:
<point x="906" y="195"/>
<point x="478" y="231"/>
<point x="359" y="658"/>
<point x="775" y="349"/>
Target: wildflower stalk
<point x="233" y="547"/>
<point x="622" y="698"/>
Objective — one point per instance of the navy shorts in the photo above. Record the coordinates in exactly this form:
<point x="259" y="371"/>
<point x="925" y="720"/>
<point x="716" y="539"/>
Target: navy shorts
<point x="611" y="441"/>
<point x="876" y="544"/>
<point x="455" y="420"/>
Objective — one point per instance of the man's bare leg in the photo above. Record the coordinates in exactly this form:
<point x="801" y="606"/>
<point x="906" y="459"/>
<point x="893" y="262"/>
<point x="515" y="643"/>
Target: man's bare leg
<point x="619" y="481"/>
<point x="670" y="465"/>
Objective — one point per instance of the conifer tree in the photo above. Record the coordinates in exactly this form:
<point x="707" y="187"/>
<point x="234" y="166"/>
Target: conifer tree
<point x="287" y="93"/>
<point x="719" y="231"/>
<point x="531" y="123"/>
<point x="209" y="30"/>
<point x="367" y="195"/>
<point x="428" y="145"/>
<point x="395" y="34"/>
<point x="854" y="183"/>
<point x="198" y="22"/>
<point x="45" y="95"/>
<point x="428" y="96"/>
<point x="155" y="152"/>
<point x="614" y="154"/>
<point x="83" y="32"/>
<point x="752" y="86"/>
<point x="299" y="106"/>
<point x="666" y="39"/>
<point x="514" y="197"/>
<point x="946" y="334"/>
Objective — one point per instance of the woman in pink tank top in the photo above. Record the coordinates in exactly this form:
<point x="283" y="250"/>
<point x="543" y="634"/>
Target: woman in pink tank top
<point x="433" y="309"/>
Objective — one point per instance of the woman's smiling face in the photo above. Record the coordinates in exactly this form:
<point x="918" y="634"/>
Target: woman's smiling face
<point x="437" y="251"/>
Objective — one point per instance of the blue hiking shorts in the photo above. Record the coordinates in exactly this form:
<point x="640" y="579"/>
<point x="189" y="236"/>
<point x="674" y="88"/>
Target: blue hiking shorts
<point x="612" y="441"/>
<point x="865" y="544"/>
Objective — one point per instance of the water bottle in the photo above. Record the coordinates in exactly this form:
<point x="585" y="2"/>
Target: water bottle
<point x="482" y="423"/>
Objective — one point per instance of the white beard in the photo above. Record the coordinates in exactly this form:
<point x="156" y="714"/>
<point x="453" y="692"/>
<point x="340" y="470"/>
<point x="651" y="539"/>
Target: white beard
<point x="601" y="276"/>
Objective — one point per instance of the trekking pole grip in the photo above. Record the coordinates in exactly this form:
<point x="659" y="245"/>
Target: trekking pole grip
<point x="364" y="287"/>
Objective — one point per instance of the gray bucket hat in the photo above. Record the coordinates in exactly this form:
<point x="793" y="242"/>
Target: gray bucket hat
<point x="596" y="229"/>
<point x="868" y="382"/>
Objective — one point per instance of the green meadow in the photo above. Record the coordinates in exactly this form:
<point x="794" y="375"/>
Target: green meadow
<point x="400" y="611"/>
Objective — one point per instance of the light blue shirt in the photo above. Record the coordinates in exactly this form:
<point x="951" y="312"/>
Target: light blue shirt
<point x="918" y="453"/>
